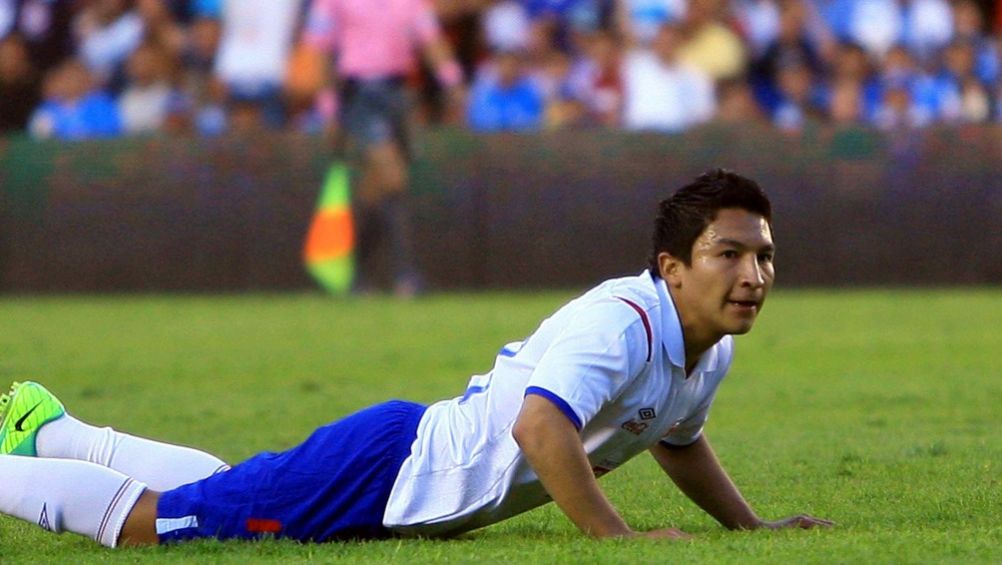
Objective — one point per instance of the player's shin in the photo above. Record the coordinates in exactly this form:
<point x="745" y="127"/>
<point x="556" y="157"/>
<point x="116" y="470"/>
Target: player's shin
<point x="63" y="495"/>
<point x="162" y="466"/>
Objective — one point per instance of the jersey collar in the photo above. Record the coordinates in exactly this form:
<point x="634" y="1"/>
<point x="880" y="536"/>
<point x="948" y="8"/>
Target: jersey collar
<point x="671" y="327"/>
<point x="672" y="337"/>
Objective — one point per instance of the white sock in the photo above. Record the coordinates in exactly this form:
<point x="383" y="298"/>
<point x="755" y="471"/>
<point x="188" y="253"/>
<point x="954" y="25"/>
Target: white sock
<point x="62" y="495"/>
<point x="161" y="466"/>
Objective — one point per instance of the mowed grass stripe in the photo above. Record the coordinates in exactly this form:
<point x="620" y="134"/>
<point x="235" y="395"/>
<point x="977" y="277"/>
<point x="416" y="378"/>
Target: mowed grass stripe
<point x="878" y="409"/>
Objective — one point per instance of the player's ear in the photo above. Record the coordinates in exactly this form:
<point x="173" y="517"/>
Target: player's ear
<point x="670" y="267"/>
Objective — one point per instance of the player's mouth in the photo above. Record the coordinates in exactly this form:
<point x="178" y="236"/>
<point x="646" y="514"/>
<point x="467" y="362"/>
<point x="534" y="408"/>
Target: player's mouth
<point x="745" y="306"/>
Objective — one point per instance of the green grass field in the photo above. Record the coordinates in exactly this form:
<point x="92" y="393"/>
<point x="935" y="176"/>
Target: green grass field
<point x="877" y="409"/>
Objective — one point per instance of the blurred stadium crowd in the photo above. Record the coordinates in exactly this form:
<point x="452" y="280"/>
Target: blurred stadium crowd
<point x="78" y="69"/>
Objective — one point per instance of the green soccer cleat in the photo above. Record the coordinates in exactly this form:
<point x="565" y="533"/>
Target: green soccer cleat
<point x="23" y="411"/>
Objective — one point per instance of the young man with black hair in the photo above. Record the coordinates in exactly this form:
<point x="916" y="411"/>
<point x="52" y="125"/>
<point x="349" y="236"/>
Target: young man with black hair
<point x="632" y="365"/>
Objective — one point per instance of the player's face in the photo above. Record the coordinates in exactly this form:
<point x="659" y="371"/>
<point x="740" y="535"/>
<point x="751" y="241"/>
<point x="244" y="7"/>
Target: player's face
<point x="723" y="289"/>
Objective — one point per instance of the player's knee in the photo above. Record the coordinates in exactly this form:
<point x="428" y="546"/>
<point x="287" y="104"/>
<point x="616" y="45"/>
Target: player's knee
<point x="140" y="526"/>
<point x="386" y="169"/>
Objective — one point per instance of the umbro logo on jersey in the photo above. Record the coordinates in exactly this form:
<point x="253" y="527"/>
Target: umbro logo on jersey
<point x="636" y="428"/>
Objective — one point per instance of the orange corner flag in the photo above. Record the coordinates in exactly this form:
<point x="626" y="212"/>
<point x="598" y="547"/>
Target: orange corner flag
<point x="330" y="242"/>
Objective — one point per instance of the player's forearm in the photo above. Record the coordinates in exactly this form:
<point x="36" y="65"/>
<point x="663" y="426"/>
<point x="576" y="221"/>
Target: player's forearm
<point x="438" y="54"/>
<point x="575" y="490"/>
<point x="699" y="475"/>
<point x="553" y="449"/>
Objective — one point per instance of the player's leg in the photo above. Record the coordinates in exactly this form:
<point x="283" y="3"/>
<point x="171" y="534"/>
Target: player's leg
<point x="140" y="526"/>
<point x="334" y="485"/>
<point x="387" y="164"/>
<point x="387" y="167"/>
<point x="161" y="465"/>
<point x="355" y="119"/>
<point x="75" y="496"/>
<point x="387" y="159"/>
<point x="377" y="123"/>
<point x="34" y="423"/>
<point x="369" y="226"/>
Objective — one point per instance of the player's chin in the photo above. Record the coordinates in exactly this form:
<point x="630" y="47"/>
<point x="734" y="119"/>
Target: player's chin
<point x="741" y="325"/>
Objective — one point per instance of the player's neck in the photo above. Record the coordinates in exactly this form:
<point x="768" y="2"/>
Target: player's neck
<point x="691" y="360"/>
<point x="695" y="347"/>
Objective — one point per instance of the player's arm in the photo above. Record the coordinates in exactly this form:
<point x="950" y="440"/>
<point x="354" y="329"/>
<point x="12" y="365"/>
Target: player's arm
<point x="319" y="37"/>
<point x="553" y="448"/>
<point x="438" y="54"/>
<point x="622" y="24"/>
<point x="449" y="74"/>
<point x="697" y="472"/>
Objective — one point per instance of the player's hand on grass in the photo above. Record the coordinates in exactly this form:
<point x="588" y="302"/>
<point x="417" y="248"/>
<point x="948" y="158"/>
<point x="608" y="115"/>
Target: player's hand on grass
<point x="802" y="521"/>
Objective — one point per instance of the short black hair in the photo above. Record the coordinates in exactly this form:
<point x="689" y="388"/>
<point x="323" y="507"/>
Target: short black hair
<point x="683" y="216"/>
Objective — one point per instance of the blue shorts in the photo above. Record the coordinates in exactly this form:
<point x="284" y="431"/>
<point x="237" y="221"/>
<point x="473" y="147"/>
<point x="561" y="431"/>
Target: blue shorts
<point x="333" y="486"/>
<point x="374" y="111"/>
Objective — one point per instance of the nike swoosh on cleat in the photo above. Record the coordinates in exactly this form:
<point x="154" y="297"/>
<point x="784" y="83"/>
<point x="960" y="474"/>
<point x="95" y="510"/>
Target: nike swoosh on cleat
<point x="17" y="424"/>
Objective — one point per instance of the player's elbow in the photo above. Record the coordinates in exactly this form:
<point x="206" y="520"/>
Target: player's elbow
<point x="536" y="437"/>
<point x="523" y="433"/>
<point x="541" y="426"/>
<point x="530" y="436"/>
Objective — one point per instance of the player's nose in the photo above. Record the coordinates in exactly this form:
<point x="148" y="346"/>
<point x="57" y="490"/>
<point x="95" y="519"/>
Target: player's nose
<point x="751" y="272"/>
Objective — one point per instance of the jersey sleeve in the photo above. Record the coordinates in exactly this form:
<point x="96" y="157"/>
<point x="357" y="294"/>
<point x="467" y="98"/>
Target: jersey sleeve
<point x="592" y="361"/>
<point x="320" y="30"/>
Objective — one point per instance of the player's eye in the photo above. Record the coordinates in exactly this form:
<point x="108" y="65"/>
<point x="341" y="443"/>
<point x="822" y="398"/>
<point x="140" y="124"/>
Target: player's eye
<point x="729" y="254"/>
<point x="765" y="257"/>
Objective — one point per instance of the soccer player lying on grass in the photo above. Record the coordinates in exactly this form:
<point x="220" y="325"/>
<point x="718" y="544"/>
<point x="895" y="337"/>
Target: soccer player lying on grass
<point x="632" y="365"/>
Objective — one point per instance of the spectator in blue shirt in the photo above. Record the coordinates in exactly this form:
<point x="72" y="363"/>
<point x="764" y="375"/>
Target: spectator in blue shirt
<point x="837" y="17"/>
<point x="851" y="69"/>
<point x="564" y="19"/>
<point x="504" y="98"/>
<point x="970" y="27"/>
<point x="207" y="8"/>
<point x="791" y="45"/>
<point x="907" y="94"/>
<point x="795" y="86"/>
<point x="72" y="109"/>
<point x="962" y="96"/>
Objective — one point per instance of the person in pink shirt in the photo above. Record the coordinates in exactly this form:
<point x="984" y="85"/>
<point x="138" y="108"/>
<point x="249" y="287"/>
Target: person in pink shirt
<point x="376" y="44"/>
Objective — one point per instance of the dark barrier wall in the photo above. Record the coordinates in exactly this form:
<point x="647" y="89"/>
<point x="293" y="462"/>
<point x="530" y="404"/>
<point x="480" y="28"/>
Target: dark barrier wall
<point x="550" y="210"/>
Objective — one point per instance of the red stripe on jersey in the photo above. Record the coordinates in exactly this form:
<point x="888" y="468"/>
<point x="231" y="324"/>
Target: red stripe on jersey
<point x="263" y="526"/>
<point x="647" y="325"/>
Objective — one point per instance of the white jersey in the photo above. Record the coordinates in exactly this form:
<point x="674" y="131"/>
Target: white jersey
<point x="612" y="360"/>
